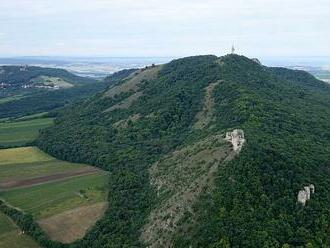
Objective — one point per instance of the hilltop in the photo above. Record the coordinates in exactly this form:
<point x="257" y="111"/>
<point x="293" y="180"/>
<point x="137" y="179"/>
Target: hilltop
<point x="176" y="181"/>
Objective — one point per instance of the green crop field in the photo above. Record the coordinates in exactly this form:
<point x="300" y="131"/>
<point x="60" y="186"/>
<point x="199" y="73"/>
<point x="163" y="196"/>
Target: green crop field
<point x="21" y="132"/>
<point x="30" y="162"/>
<point x="50" y="195"/>
<point x="10" y="236"/>
<point x="23" y="155"/>
<point x="48" y="188"/>
<point x="52" y="198"/>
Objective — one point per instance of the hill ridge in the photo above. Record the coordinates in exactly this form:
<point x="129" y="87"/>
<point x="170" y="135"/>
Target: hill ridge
<point x="285" y="114"/>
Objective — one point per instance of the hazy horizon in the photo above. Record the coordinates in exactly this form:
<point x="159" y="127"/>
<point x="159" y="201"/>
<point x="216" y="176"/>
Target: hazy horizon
<point x="173" y="28"/>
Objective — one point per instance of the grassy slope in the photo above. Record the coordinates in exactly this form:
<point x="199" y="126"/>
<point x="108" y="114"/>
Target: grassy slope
<point x="53" y="81"/>
<point x="10" y="237"/>
<point x="22" y="132"/>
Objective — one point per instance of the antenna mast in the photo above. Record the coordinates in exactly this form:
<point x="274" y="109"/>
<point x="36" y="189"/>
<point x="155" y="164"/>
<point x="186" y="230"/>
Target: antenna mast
<point x="233" y="49"/>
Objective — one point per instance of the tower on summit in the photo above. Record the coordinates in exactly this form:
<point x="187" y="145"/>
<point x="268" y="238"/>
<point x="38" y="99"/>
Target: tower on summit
<point x="233" y="49"/>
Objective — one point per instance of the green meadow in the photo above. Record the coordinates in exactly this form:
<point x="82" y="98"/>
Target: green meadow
<point x="56" y="197"/>
<point x="30" y="162"/>
<point x="51" y="196"/>
<point x="11" y="237"/>
<point x="16" y="133"/>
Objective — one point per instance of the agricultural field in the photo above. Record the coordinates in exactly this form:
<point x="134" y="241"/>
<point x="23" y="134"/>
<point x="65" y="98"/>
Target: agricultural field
<point x="11" y="236"/>
<point x="56" y="193"/>
<point x="16" y="133"/>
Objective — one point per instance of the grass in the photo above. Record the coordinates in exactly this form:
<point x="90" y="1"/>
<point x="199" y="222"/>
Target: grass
<point x="49" y="200"/>
<point x="10" y="236"/>
<point x="63" y="227"/>
<point x="46" y="80"/>
<point x="30" y="162"/>
<point x="31" y="117"/>
<point x="6" y="225"/>
<point x="52" y="198"/>
<point x="36" y="169"/>
<point x="21" y="132"/>
<point x="10" y="98"/>
<point x="23" y="155"/>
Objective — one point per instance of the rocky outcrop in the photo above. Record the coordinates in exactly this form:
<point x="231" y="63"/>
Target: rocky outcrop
<point x="257" y="61"/>
<point x="305" y="194"/>
<point x="237" y="139"/>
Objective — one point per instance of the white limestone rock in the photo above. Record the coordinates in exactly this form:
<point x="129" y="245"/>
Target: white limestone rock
<point x="302" y="197"/>
<point x="305" y="194"/>
<point x="237" y="139"/>
<point x="308" y="192"/>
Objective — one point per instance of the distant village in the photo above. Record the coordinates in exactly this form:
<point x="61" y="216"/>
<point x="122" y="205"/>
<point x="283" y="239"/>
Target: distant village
<point x="29" y="85"/>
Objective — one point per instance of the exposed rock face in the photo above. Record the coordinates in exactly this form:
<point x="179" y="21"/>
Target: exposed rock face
<point x="236" y="137"/>
<point x="305" y="194"/>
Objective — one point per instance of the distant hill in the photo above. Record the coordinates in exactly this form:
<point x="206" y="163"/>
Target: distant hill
<point x="30" y="90"/>
<point x="17" y="76"/>
<point x="176" y="180"/>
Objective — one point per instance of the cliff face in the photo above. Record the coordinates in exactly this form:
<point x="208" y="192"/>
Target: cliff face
<point x="175" y="181"/>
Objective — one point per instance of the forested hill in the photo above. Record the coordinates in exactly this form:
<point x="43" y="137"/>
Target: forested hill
<point x="31" y="90"/>
<point x="24" y="75"/>
<point x="175" y="181"/>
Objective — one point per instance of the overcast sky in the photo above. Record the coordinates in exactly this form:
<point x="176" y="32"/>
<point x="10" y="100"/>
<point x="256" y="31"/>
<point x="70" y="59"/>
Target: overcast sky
<point x="164" y="28"/>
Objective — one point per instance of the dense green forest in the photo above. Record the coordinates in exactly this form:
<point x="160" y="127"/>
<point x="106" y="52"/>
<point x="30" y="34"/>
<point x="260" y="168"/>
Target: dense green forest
<point x="285" y="115"/>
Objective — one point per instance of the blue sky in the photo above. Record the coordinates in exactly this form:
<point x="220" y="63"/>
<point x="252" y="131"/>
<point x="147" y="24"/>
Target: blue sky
<point x="164" y="28"/>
